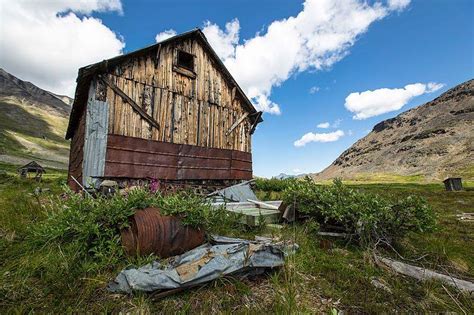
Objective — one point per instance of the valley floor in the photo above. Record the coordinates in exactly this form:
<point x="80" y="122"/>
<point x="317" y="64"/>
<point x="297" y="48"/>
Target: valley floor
<point x="322" y="276"/>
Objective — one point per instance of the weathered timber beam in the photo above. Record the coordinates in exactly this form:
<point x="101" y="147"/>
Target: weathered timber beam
<point x="240" y="120"/>
<point x="254" y="125"/>
<point x="132" y="103"/>
<point x="262" y="204"/>
<point x="424" y="274"/>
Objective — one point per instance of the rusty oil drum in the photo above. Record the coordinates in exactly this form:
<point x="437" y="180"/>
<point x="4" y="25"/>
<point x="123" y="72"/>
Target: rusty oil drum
<point x="153" y="233"/>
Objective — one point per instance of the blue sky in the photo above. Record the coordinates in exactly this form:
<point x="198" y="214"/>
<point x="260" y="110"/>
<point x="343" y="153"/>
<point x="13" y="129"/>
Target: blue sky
<point x="411" y="42"/>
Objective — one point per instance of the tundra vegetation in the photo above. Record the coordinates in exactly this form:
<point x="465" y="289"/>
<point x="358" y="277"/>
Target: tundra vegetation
<point x="58" y="250"/>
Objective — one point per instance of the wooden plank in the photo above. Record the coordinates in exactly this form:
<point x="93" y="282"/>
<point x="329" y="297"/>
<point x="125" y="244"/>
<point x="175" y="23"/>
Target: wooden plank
<point x="241" y="119"/>
<point x="425" y="274"/>
<point x="134" y="105"/>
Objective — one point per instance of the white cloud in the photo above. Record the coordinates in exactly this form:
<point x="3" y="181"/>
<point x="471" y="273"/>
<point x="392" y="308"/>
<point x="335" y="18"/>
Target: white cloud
<point x="223" y="42"/>
<point x="296" y="171"/>
<point x="165" y="35"/>
<point x="398" y="4"/>
<point x="45" y="42"/>
<point x="336" y="123"/>
<point x="314" y="89"/>
<point x="325" y="125"/>
<point x="316" y="38"/>
<point x="319" y="137"/>
<point x="372" y="103"/>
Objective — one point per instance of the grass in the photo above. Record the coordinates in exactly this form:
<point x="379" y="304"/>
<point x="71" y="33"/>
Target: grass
<point x="33" y="133"/>
<point x="316" y="279"/>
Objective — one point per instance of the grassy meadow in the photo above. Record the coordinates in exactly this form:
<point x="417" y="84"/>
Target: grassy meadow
<point x="325" y="275"/>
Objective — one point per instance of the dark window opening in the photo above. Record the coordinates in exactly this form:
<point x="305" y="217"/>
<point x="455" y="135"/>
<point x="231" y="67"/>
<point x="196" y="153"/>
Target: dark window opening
<point x="185" y="60"/>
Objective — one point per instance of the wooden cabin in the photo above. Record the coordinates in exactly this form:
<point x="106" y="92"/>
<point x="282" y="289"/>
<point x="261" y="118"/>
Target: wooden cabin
<point x="31" y="167"/>
<point x="170" y="112"/>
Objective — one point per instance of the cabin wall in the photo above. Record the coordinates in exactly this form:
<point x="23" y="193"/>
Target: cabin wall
<point x="134" y="158"/>
<point x="190" y="109"/>
<point x="96" y="129"/>
<point x="76" y="154"/>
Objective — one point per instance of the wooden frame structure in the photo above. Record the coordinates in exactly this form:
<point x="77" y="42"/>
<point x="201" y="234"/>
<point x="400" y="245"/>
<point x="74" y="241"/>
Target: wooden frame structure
<point x="171" y="111"/>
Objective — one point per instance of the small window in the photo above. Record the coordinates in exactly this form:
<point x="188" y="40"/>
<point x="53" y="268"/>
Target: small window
<point x="185" y="60"/>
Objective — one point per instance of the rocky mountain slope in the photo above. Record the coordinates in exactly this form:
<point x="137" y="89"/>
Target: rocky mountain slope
<point x="32" y="123"/>
<point x="432" y="141"/>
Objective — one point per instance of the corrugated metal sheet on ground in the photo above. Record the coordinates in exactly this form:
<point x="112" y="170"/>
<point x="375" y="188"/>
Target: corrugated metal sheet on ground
<point x="225" y="256"/>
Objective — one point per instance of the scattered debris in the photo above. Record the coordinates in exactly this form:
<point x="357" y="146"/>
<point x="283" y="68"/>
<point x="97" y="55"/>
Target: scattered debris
<point x="241" y="199"/>
<point x="264" y="205"/>
<point x="424" y="274"/>
<point x="252" y="215"/>
<point x="380" y="285"/>
<point x="225" y="256"/>
<point x="31" y="167"/>
<point x="39" y="190"/>
<point x="236" y="193"/>
<point x="150" y="232"/>
<point x="108" y="187"/>
<point x="453" y="184"/>
<point x="334" y="234"/>
<point x="469" y="217"/>
<point x="273" y="226"/>
<point x="325" y="244"/>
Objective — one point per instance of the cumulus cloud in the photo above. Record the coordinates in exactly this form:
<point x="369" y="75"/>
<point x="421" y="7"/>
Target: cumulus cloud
<point x="320" y="35"/>
<point x="336" y="123"/>
<point x="45" y="42"/>
<point x="326" y="125"/>
<point x="319" y="137"/>
<point x="372" y="103"/>
<point x="314" y="89"/>
<point x="223" y="42"/>
<point x="398" y="4"/>
<point x="165" y="35"/>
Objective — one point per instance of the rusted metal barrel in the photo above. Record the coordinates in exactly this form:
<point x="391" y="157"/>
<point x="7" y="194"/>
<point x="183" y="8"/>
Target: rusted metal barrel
<point x="165" y="236"/>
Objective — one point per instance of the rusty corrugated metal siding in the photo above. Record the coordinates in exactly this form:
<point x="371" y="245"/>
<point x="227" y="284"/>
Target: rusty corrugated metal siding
<point x="129" y="157"/>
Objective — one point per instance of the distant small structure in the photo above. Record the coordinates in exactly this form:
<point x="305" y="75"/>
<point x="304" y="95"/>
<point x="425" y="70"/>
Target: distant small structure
<point x="453" y="183"/>
<point x="31" y="167"/>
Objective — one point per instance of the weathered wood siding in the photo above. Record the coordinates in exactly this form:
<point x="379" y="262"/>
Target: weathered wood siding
<point x="190" y="109"/>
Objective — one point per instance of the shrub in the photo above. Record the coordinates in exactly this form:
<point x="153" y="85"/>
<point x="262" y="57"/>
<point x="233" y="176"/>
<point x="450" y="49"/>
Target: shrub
<point x="92" y="225"/>
<point x="273" y="184"/>
<point x="369" y="216"/>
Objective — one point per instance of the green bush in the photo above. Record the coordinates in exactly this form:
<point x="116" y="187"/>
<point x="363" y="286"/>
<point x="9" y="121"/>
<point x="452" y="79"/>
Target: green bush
<point x="92" y="225"/>
<point x="368" y="216"/>
<point x="273" y="184"/>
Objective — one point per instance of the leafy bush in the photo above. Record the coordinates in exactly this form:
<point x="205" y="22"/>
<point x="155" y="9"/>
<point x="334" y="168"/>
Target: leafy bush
<point x="369" y="216"/>
<point x="92" y="225"/>
<point x="273" y="184"/>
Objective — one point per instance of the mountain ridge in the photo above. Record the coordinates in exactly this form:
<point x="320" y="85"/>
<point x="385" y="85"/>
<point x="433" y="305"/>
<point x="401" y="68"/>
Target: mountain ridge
<point x="33" y="122"/>
<point x="433" y="140"/>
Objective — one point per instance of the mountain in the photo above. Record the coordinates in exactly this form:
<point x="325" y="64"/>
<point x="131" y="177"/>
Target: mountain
<point x="431" y="141"/>
<point x="33" y="122"/>
<point x="283" y="176"/>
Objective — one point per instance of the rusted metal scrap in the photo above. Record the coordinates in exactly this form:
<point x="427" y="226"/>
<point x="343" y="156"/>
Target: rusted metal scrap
<point x="152" y="233"/>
